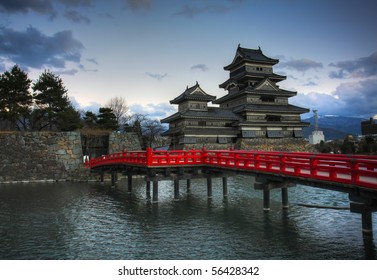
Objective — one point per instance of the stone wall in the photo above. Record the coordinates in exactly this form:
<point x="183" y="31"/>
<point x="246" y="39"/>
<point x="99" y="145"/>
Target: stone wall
<point x="275" y="144"/>
<point x="120" y="141"/>
<point x="31" y="156"/>
<point x="259" y="144"/>
<point x="50" y="156"/>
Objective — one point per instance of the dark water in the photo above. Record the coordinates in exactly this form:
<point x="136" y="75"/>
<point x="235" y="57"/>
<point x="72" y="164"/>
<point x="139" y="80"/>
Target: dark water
<point x="93" y="221"/>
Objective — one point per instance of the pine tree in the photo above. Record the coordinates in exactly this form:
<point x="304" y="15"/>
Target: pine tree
<point x="51" y="97"/>
<point x="69" y="119"/>
<point x="15" y="98"/>
<point x="107" y="119"/>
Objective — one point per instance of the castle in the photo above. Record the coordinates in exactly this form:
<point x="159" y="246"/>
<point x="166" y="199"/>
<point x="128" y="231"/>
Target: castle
<point x="254" y="114"/>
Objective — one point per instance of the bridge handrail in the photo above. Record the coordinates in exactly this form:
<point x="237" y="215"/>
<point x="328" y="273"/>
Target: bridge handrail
<point x="358" y="170"/>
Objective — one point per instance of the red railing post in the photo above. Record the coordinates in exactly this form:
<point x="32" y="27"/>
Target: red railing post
<point x="313" y="166"/>
<point x="204" y="155"/>
<point x="354" y="171"/>
<point x="148" y="157"/>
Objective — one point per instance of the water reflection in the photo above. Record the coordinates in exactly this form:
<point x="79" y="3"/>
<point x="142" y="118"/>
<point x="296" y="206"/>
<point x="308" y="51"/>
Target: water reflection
<point x="94" y="221"/>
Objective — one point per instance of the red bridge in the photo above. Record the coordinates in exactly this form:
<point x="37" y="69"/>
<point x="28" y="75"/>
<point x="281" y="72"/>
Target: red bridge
<point x="348" y="170"/>
<point x="354" y="174"/>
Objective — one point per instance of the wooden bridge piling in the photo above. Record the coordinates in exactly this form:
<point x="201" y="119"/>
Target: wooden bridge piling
<point x="284" y="198"/>
<point x="176" y="189"/>
<point x="365" y="206"/>
<point x="102" y="176"/>
<point x="366" y="222"/>
<point x="155" y="191"/>
<point x="148" y="190"/>
<point x="209" y="186"/>
<point x="266" y="199"/>
<point x="129" y="182"/>
<point x="114" y="177"/>
<point x="266" y="184"/>
<point x="225" y="186"/>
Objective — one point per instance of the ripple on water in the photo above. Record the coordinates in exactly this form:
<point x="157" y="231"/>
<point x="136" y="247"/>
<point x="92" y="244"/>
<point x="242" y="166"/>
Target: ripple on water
<point x="92" y="221"/>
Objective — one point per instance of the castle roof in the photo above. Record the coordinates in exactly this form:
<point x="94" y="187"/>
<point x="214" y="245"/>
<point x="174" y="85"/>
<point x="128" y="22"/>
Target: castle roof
<point x="212" y="113"/>
<point x="252" y="56"/>
<point x="193" y="93"/>
<point x="270" y="108"/>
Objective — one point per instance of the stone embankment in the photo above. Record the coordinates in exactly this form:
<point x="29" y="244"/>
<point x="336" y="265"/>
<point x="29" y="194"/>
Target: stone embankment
<point x="50" y="156"/>
<point x="259" y="144"/>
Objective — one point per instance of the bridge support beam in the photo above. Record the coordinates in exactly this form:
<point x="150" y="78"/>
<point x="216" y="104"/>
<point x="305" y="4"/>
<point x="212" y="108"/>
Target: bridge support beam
<point x="102" y="177"/>
<point x="148" y="190"/>
<point x="129" y="182"/>
<point x="114" y="177"/>
<point x="266" y="184"/>
<point x="284" y="198"/>
<point x="155" y="191"/>
<point x="209" y="187"/>
<point x="266" y="199"/>
<point x="366" y="221"/>
<point x="366" y="217"/>
<point x="176" y="189"/>
<point x="365" y="206"/>
<point x="188" y="184"/>
<point x="225" y="186"/>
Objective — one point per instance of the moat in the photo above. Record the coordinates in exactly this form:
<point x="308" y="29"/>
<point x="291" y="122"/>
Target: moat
<point x="93" y="221"/>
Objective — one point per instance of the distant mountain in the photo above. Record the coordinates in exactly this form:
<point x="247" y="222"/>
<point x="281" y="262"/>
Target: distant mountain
<point x="335" y="127"/>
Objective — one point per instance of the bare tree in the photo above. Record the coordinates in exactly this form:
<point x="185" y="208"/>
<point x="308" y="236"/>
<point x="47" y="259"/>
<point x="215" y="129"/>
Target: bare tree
<point x="148" y="130"/>
<point x="152" y="129"/>
<point x="136" y="121"/>
<point x="119" y="106"/>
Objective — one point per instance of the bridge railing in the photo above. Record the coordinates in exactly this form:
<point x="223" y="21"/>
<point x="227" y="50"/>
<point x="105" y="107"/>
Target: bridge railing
<point x="174" y="157"/>
<point x="125" y="157"/>
<point x="349" y="169"/>
<point x="358" y="170"/>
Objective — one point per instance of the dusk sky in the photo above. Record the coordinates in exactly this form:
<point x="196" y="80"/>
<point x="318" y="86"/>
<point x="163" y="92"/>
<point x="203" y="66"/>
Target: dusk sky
<point x="148" y="51"/>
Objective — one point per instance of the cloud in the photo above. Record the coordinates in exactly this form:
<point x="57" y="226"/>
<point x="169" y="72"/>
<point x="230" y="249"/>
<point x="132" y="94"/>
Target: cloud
<point x="44" y="7"/>
<point x="25" y="6"/>
<point x="310" y="83"/>
<point x="156" y="76"/>
<point x="70" y="72"/>
<point x="300" y="65"/>
<point x="76" y="17"/>
<point x="93" y="60"/>
<point x="83" y="68"/>
<point x="92" y="106"/>
<point x="31" y="48"/>
<point x="192" y="11"/>
<point x="75" y="3"/>
<point x="153" y="111"/>
<point x="202" y="67"/>
<point x="139" y="4"/>
<point x="363" y="67"/>
<point x="349" y="99"/>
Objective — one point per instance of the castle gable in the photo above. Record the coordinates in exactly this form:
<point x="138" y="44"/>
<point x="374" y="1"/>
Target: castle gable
<point x="266" y="84"/>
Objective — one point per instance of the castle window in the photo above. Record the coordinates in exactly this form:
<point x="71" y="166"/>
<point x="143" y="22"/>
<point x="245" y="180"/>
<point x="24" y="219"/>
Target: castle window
<point x="267" y="99"/>
<point x="272" y="118"/>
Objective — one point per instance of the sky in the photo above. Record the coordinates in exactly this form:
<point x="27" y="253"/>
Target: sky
<point x="149" y="51"/>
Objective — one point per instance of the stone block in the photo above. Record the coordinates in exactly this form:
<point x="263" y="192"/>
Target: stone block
<point x="61" y="152"/>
